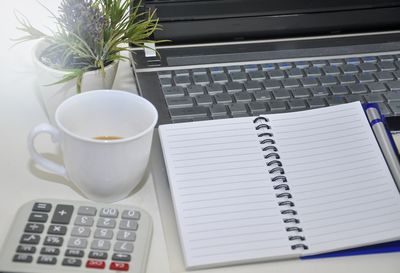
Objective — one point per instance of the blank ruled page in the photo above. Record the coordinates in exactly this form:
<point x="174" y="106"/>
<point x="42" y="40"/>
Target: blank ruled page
<point x="342" y="189"/>
<point x="224" y="202"/>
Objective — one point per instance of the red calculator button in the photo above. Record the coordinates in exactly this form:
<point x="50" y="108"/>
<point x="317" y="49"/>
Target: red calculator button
<point x="119" y="266"/>
<point x="95" y="264"/>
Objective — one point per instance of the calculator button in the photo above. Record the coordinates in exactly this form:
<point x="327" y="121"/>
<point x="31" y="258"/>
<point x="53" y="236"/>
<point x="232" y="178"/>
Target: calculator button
<point x="109" y="213"/>
<point x="123" y="247"/>
<point x="38" y="217"/>
<point x="106" y="223"/>
<point x="103" y="233"/>
<point x="30" y="239"/>
<point x="95" y="264"/>
<point x="100" y="245"/>
<point x="72" y="262"/>
<point x="121" y="257"/>
<point x="119" y="266"/>
<point x="128" y="225"/>
<point x="80" y="232"/>
<point x="124" y="235"/>
<point x="88" y="211"/>
<point x="34" y="228"/>
<point x="50" y="251"/>
<point x="26" y="249"/>
<point x="22" y="258"/>
<point x="46" y="260"/>
<point x="77" y="243"/>
<point x="84" y="221"/>
<point x="98" y="255"/>
<point x="62" y="214"/>
<point x="131" y="215"/>
<point x="53" y="241"/>
<point x="57" y="230"/>
<point x="42" y="207"/>
<point x="74" y="253"/>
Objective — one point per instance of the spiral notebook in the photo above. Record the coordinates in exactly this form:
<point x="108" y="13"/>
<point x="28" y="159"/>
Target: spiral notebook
<point x="279" y="186"/>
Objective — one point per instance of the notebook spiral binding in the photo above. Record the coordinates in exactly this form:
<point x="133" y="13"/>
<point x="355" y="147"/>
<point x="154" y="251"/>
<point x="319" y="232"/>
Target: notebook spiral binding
<point x="276" y="168"/>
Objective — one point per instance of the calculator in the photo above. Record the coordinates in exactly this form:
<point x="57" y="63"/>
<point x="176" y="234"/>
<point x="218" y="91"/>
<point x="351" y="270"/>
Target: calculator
<point x="73" y="236"/>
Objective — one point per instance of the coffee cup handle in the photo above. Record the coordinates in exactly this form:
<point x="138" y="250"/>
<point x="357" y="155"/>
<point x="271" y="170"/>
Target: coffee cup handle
<point x="37" y="157"/>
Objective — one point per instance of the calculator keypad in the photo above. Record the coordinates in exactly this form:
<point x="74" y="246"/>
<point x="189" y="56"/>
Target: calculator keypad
<point x="81" y="236"/>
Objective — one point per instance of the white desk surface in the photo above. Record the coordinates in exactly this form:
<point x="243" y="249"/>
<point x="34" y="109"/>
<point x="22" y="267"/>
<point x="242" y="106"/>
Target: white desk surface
<point x="21" y="181"/>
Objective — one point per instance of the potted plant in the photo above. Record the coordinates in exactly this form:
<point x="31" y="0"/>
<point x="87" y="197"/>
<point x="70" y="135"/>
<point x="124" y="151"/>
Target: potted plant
<point x="83" y="51"/>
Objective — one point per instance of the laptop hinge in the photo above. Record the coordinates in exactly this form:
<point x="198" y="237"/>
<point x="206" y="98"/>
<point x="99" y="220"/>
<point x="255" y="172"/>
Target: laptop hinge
<point x="150" y="50"/>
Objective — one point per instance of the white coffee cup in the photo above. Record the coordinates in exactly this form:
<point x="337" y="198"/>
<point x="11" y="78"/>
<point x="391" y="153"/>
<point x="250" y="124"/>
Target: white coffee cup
<point x="106" y="169"/>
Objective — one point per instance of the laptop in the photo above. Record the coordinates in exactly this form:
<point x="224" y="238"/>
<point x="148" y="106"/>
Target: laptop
<point x="231" y="58"/>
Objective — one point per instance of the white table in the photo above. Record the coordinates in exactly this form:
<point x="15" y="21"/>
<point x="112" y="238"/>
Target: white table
<point x="21" y="181"/>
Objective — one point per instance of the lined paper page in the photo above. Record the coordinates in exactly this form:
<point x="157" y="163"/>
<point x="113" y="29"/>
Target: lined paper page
<point x="224" y="202"/>
<point x="343" y="191"/>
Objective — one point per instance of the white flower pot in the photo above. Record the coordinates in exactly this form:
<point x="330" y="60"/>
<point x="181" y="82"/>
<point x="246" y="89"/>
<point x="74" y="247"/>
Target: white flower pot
<point x="54" y="94"/>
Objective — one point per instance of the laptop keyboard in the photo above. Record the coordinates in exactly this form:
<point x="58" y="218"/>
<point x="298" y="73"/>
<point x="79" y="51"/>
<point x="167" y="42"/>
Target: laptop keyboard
<point x="254" y="89"/>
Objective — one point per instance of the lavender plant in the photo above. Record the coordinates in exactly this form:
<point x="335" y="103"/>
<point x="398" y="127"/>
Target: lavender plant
<point x="91" y="34"/>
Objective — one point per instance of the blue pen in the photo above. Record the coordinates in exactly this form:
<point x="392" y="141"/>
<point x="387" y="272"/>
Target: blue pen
<point x="385" y="143"/>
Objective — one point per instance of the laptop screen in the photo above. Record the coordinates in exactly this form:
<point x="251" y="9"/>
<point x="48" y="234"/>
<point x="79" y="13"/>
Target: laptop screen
<point x="193" y="21"/>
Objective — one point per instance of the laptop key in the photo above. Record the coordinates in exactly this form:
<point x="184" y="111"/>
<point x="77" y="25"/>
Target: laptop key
<point x="257" y="75"/>
<point x="179" y="102"/>
<point x="313" y="71"/>
<point x="386" y="58"/>
<point x="316" y="102"/>
<point x="281" y="94"/>
<point x="349" y="69"/>
<point x="369" y="59"/>
<point x="237" y="108"/>
<point x="276" y="74"/>
<point x="335" y="100"/>
<point x="347" y="79"/>
<point x="370" y="98"/>
<point x="285" y="65"/>
<point x="251" y="86"/>
<point x="223" y="98"/>
<point x="214" y="88"/>
<point x="233" y="68"/>
<point x="232" y="87"/>
<point x="266" y="67"/>
<point x="290" y="83"/>
<point x="392" y="96"/>
<point x="339" y="90"/>
<point x="262" y="95"/>
<point x="173" y="91"/>
<point x="365" y="77"/>
<point x="331" y="70"/>
<point x="250" y="67"/>
<point x="295" y="72"/>
<point x="384" y="76"/>
<point x="386" y="66"/>
<point x="216" y="70"/>
<point x="352" y="60"/>
<point x="199" y="71"/>
<point x="189" y="112"/>
<point x="238" y="76"/>
<point x="218" y="110"/>
<point x="297" y="104"/>
<point x="302" y="64"/>
<point x="319" y="91"/>
<point x="166" y="82"/>
<point x="355" y="97"/>
<point x="195" y="90"/>
<point x="257" y="107"/>
<point x="309" y="82"/>
<point x="368" y="67"/>
<point x="220" y="78"/>
<point x="301" y="93"/>
<point x="242" y="97"/>
<point x="319" y="63"/>
<point x="328" y="80"/>
<point x="393" y="85"/>
<point x="164" y="74"/>
<point x="203" y="100"/>
<point x="336" y="62"/>
<point x="357" y="88"/>
<point x="395" y="107"/>
<point x="277" y="106"/>
<point x="272" y="84"/>
<point x="201" y="79"/>
<point x="182" y="80"/>
<point x="376" y="87"/>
